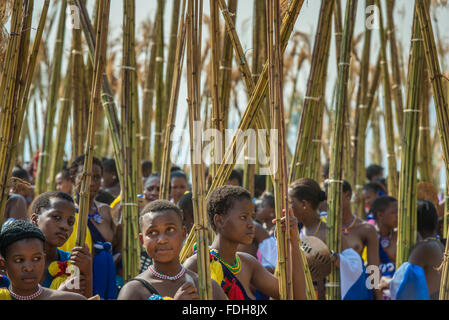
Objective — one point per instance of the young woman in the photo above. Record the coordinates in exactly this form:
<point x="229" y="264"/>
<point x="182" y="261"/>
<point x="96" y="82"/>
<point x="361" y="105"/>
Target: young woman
<point x="178" y="185"/>
<point x="111" y="182"/>
<point x="231" y="213"/>
<point x="22" y="249"/>
<point x="64" y="182"/>
<point x="102" y="229"/>
<point x="385" y="211"/>
<point x="54" y="214"/>
<point x="162" y="235"/>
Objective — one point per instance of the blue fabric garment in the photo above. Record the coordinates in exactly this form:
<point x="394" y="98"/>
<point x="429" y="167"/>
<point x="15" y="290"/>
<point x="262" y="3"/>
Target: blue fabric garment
<point x="4" y="281"/>
<point x="386" y="267"/>
<point x="353" y="277"/>
<point x="104" y="273"/>
<point x="409" y="283"/>
<point x="63" y="256"/>
<point x="7" y="222"/>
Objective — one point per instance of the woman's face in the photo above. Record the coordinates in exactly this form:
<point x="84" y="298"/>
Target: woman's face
<point x="25" y="264"/>
<point x="56" y="222"/>
<point x="95" y="181"/>
<point x="299" y="207"/>
<point x="178" y="187"/>
<point x="368" y="197"/>
<point x="152" y="187"/>
<point x="63" y="185"/>
<point x="162" y="235"/>
<point x="264" y="212"/>
<point x="237" y="224"/>
<point x="389" y="217"/>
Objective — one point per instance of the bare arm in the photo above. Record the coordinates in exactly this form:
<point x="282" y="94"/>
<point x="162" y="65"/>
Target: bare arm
<point x="191" y="263"/>
<point x="16" y="208"/>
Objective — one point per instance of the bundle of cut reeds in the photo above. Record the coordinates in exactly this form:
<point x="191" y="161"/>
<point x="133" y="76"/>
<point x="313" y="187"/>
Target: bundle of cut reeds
<point x="43" y="163"/>
<point x="335" y="168"/>
<point x="99" y="66"/>
<point x="15" y="83"/>
<point x="407" y="218"/>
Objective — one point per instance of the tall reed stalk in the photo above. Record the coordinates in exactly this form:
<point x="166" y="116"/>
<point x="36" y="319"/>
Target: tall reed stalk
<point x="65" y="104"/>
<point x="108" y="102"/>
<point x="159" y="86"/>
<point x="177" y="72"/>
<point x="47" y="138"/>
<point x="441" y="110"/>
<point x="407" y="218"/>
<point x="95" y="100"/>
<point x="280" y="183"/>
<point x="256" y="99"/>
<point x="311" y="111"/>
<point x="128" y="142"/>
<point x="194" y="10"/>
<point x="361" y="116"/>
<point x="395" y="64"/>
<point x="15" y="83"/>
<point x="388" y="117"/>
<point x="335" y="168"/>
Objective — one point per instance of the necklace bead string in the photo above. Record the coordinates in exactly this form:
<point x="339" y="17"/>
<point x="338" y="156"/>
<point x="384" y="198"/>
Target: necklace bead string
<point x="164" y="276"/>
<point x="30" y="297"/>
<point x="233" y="268"/>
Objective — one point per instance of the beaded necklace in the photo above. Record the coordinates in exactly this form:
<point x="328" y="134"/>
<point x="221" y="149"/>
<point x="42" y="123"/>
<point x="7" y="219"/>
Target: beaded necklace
<point x="164" y="276"/>
<point x="30" y="297"/>
<point x="233" y="268"/>
<point x="346" y="229"/>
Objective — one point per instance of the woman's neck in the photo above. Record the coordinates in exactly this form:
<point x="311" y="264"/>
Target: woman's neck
<point x="51" y="253"/>
<point x="347" y="216"/>
<point x="171" y="268"/>
<point x="226" y="249"/>
<point x="385" y="231"/>
<point x="24" y="292"/>
<point x="310" y="221"/>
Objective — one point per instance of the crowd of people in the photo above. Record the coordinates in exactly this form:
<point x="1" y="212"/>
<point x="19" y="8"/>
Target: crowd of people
<point x="39" y="258"/>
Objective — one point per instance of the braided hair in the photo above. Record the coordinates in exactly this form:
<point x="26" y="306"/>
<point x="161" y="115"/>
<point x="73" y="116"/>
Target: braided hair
<point x="16" y="231"/>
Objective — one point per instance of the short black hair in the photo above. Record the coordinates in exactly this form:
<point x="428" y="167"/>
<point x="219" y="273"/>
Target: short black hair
<point x="375" y="187"/>
<point x="346" y="186"/>
<point x="175" y="168"/>
<point x="260" y="184"/>
<point x="373" y="170"/>
<point x="104" y="197"/>
<point x="235" y="174"/>
<point x="381" y="204"/>
<point x="153" y="175"/>
<point x="65" y="174"/>
<point x="19" y="172"/>
<point x="178" y="174"/>
<point x="309" y="190"/>
<point x="185" y="203"/>
<point x="147" y="165"/>
<point x="222" y="199"/>
<point x="268" y="198"/>
<point x="79" y="161"/>
<point x="43" y="200"/>
<point x="427" y="217"/>
<point x="158" y="206"/>
<point x="16" y="231"/>
<point x="109" y="166"/>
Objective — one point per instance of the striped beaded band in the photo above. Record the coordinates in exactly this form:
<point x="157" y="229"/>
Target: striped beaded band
<point x="234" y="269"/>
<point x="30" y="297"/>
<point x="165" y="277"/>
